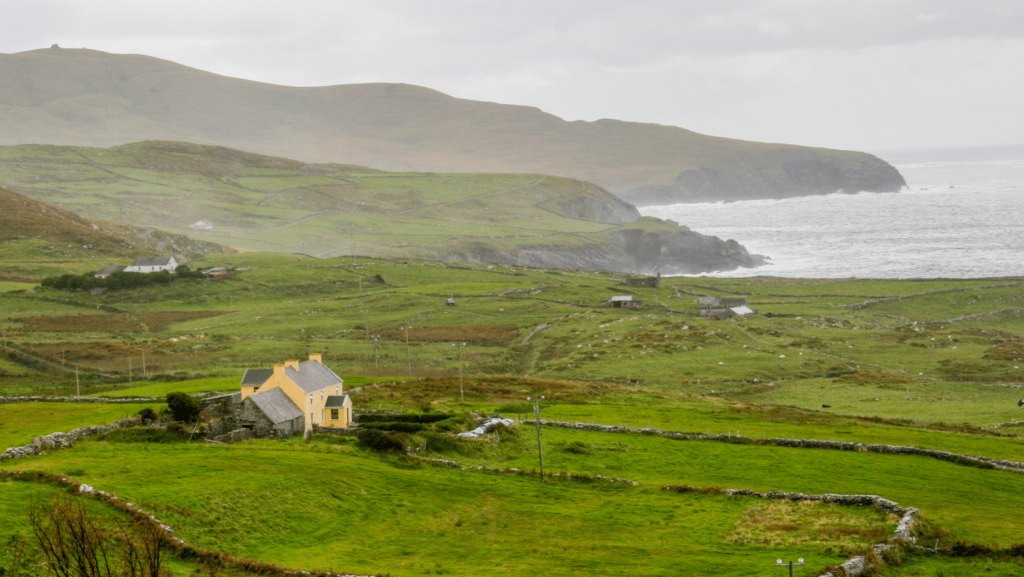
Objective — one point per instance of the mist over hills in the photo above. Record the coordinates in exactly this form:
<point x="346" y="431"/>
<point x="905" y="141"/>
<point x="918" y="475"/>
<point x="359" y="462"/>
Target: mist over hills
<point x="92" y="98"/>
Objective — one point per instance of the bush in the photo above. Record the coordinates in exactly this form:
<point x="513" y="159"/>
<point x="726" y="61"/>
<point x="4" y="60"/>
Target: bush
<point x="404" y="418"/>
<point x="183" y="407"/>
<point x="147" y="415"/>
<point x="146" y="435"/>
<point x="442" y="443"/>
<point x="395" y="427"/>
<point x="382" y="441"/>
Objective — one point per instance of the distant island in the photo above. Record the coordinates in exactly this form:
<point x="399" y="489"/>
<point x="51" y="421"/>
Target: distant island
<point x="91" y="98"/>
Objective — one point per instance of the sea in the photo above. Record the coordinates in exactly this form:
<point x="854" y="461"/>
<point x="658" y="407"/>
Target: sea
<point x="961" y="216"/>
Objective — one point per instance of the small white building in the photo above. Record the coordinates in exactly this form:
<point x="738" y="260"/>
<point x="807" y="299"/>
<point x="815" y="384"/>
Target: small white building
<point x="202" y="224"/>
<point x="153" y="264"/>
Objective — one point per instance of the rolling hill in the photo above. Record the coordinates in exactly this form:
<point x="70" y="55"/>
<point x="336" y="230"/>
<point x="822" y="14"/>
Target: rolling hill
<point x="257" y="202"/>
<point x="37" y="236"/>
<point x="91" y="98"/>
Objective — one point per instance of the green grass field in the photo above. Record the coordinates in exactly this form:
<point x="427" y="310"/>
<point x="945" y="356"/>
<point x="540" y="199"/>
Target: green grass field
<point x="808" y="366"/>
<point x="19" y="422"/>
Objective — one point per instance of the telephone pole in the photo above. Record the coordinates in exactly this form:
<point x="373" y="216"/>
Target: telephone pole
<point x="375" y="339"/>
<point x="536" y="418"/>
<point x="408" y="353"/>
<point x="462" y="392"/>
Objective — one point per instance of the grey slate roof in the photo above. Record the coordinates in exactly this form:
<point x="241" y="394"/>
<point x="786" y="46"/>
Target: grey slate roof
<point x="336" y="401"/>
<point x="707" y="301"/>
<point x="256" y="377"/>
<point x="276" y="405"/>
<point x="312" y="376"/>
<point x="152" y="261"/>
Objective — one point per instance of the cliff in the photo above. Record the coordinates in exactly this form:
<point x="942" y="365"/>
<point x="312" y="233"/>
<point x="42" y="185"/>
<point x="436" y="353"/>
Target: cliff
<point x="91" y="98"/>
<point x="785" y="174"/>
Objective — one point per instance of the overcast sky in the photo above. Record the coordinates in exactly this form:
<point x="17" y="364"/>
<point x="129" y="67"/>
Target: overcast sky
<point x="861" y="74"/>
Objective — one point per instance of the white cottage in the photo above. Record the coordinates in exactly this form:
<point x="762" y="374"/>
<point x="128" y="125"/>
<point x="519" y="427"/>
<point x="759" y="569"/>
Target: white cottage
<point x="153" y="264"/>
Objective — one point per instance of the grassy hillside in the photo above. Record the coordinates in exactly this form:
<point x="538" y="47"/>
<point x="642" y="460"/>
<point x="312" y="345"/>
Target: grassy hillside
<point x="91" y="98"/>
<point x="257" y="202"/>
<point x="39" y="237"/>
<point x="933" y="364"/>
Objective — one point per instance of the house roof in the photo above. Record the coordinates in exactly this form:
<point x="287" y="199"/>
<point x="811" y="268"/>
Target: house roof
<point x="256" y="377"/>
<point x="733" y="300"/>
<point x="312" y="376"/>
<point x="276" y="405"/>
<point x="152" y="261"/>
<point x="622" y="298"/>
<point x="742" y="310"/>
<point x="336" y="401"/>
<point x="109" y="269"/>
<point x="707" y="301"/>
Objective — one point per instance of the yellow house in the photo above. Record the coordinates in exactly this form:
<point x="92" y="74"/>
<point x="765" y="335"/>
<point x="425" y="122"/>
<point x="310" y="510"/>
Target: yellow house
<point x="310" y="386"/>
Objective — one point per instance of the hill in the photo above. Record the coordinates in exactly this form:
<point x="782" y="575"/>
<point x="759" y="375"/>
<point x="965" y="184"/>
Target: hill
<point x="37" y="236"/>
<point x="91" y="98"/>
<point x="258" y="202"/>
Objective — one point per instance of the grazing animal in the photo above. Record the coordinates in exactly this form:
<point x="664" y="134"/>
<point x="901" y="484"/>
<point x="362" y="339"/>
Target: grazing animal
<point x="1020" y="403"/>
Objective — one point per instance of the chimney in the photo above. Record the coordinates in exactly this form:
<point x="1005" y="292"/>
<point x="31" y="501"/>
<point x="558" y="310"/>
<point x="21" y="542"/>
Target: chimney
<point x="292" y="363"/>
<point x="316" y="357"/>
<point x="278" y="370"/>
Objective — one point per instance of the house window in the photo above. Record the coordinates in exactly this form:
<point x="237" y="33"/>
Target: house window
<point x="321" y="395"/>
<point x="334" y="414"/>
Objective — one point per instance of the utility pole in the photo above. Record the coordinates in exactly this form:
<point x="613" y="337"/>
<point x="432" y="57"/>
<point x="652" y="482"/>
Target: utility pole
<point x="375" y="339"/>
<point x="145" y="372"/>
<point x="78" y="386"/>
<point x="462" y="393"/>
<point x="779" y="563"/>
<point x="408" y="353"/>
<point x="536" y="417"/>
<point x="366" y="325"/>
<point x="130" y="372"/>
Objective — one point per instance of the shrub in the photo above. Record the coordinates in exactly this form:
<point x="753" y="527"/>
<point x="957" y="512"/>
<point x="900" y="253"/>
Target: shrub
<point x="382" y="441"/>
<point x="183" y="407"/>
<point x="395" y="427"/>
<point x="147" y="415"/>
<point x="404" y="418"/>
<point x="147" y="435"/>
<point x="442" y="443"/>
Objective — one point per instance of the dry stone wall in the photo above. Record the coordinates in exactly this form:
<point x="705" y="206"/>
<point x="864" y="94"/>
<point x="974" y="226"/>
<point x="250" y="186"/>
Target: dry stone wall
<point x="61" y="440"/>
<point x="1003" y="464"/>
<point x="4" y="400"/>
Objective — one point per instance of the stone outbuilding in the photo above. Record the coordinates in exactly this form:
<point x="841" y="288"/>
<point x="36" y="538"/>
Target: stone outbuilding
<point x="723" y="307"/>
<point x="624" y="302"/>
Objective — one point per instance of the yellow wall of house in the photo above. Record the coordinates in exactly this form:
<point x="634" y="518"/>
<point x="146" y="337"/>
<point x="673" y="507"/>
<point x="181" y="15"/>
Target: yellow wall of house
<point x="312" y="404"/>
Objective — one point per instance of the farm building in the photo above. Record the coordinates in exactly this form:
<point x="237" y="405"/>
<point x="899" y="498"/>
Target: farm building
<point x="625" y="302"/>
<point x="294" y="396"/>
<point x="202" y="224"/>
<point x="153" y="264"/>
<point x="108" y="270"/>
<point x="643" y="281"/>
<point x="723" y="307"/>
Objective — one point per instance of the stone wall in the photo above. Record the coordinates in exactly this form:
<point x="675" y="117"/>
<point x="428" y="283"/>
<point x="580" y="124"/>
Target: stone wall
<point x="61" y="440"/>
<point x="1006" y="465"/>
<point x="4" y="400"/>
